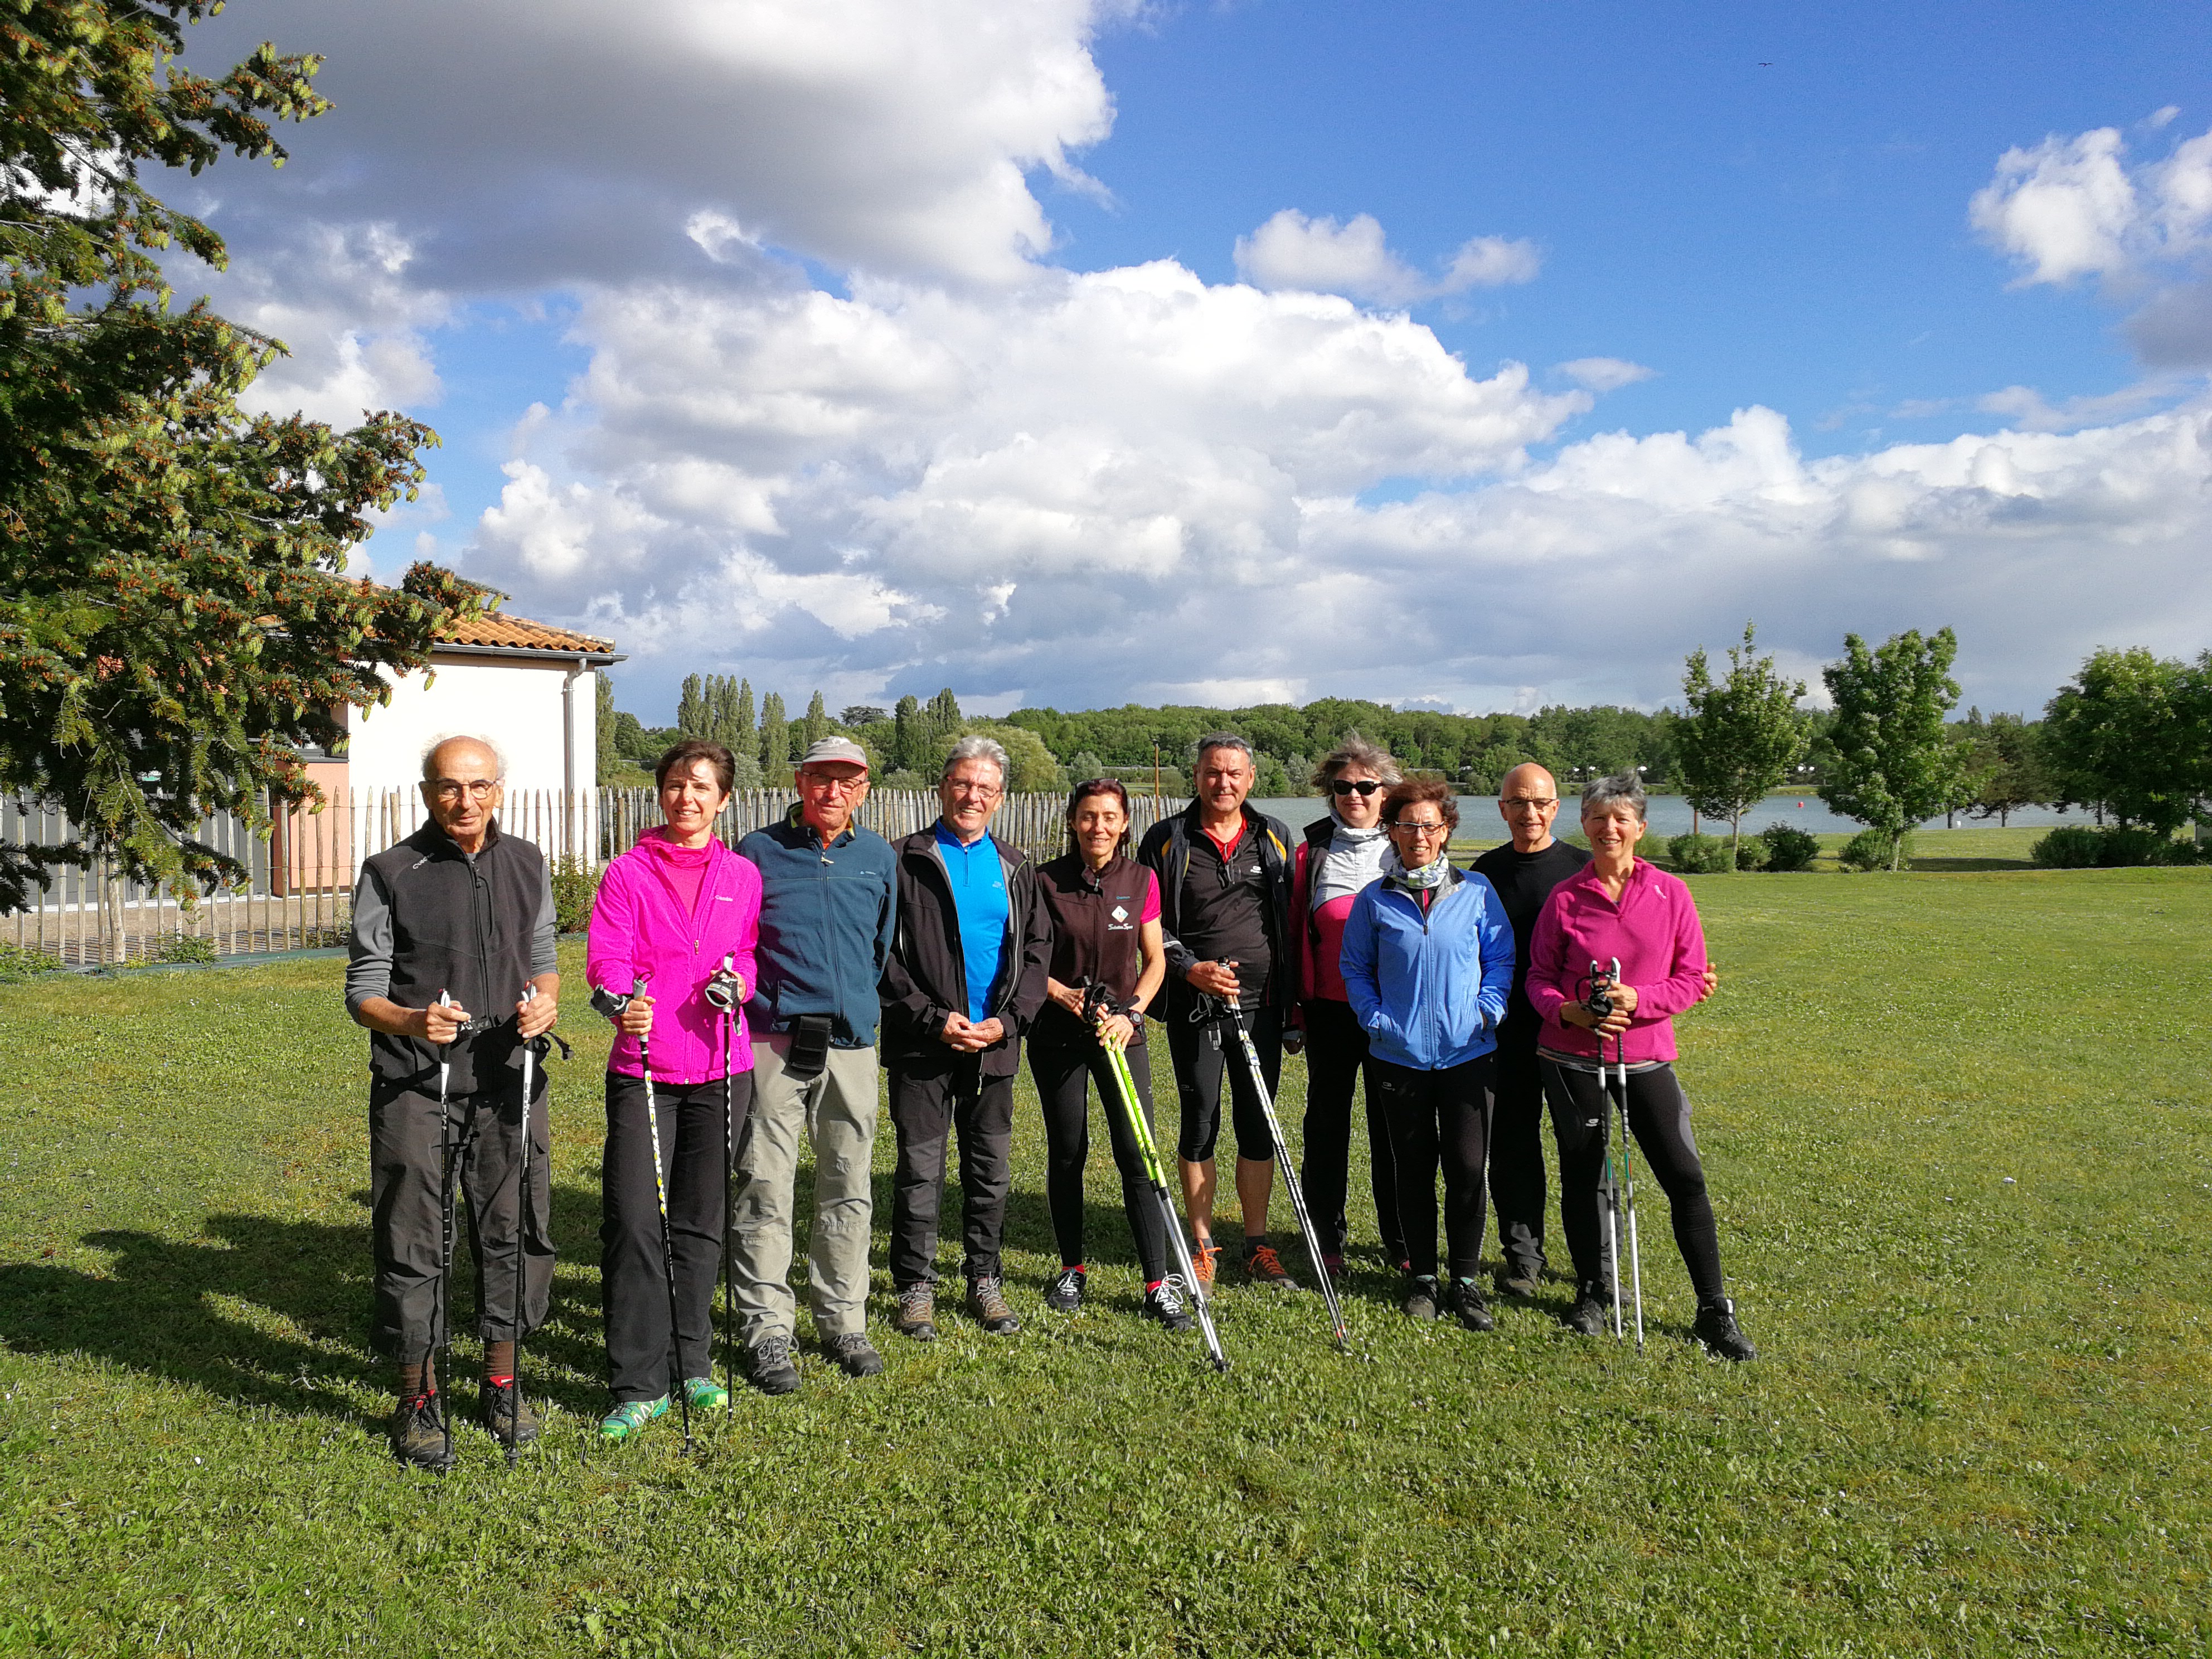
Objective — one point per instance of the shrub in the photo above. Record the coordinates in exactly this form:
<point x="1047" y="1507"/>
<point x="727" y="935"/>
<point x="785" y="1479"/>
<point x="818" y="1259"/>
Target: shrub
<point x="1750" y="853"/>
<point x="1789" y="848"/>
<point x="185" y="947"/>
<point x="2070" y="847"/>
<point x="574" y="888"/>
<point x="18" y="964"/>
<point x="1697" y="855"/>
<point x="1870" y="849"/>
<point x="2079" y="846"/>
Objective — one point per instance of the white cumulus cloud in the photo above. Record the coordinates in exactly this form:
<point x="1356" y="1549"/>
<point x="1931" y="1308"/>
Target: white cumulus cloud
<point x="1292" y="250"/>
<point x="2079" y="207"/>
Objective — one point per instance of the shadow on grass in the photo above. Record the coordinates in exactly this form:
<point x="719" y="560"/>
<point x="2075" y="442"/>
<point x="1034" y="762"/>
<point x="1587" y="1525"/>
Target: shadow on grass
<point x="266" y="1312"/>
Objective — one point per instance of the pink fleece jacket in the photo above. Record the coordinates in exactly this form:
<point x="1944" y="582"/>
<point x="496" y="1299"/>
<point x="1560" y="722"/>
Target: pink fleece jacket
<point x="639" y="925"/>
<point x="1653" y="930"/>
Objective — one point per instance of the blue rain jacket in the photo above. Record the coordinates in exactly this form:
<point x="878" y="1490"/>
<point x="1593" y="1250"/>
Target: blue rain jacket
<point x="1429" y="990"/>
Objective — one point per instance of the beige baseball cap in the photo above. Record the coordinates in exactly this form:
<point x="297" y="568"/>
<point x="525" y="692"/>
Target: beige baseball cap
<point x="836" y="749"/>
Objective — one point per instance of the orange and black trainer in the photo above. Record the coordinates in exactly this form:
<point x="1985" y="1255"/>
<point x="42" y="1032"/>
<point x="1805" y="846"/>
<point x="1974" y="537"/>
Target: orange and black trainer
<point x="1263" y="1266"/>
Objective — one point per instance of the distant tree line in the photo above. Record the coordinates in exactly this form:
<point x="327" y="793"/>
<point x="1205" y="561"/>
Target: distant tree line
<point x="2129" y="740"/>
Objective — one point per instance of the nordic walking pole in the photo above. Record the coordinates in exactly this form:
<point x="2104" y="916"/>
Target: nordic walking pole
<point x="1297" y="1193"/>
<point x="724" y="990"/>
<point x="440" y="1344"/>
<point x="1598" y="999"/>
<point x="1117" y="1061"/>
<point x="521" y="1233"/>
<point x="667" y="1239"/>
<point x="1627" y="1171"/>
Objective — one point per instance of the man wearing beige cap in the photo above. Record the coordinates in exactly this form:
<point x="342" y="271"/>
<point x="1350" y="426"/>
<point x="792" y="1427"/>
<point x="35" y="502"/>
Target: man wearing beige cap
<point x="829" y="913"/>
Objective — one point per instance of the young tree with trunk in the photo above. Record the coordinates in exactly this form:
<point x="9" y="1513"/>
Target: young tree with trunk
<point x="1889" y="764"/>
<point x="1739" y="736"/>
<point x="2129" y="733"/>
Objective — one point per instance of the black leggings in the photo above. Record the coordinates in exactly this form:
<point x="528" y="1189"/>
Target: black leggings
<point x="1202" y="1051"/>
<point x="1336" y="1054"/>
<point x="1438" y="1115"/>
<point x="633" y="1277"/>
<point x="1064" y="1059"/>
<point x="1659" y="1117"/>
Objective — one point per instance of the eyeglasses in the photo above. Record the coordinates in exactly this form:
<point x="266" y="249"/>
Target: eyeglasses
<point x="450" y="790"/>
<point x="1403" y="828"/>
<point x="823" y="782"/>
<point x="981" y="791"/>
<point x="1530" y="802"/>
<point x="1364" y="786"/>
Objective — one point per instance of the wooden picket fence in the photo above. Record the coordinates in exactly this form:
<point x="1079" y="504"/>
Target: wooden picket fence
<point x="299" y="892"/>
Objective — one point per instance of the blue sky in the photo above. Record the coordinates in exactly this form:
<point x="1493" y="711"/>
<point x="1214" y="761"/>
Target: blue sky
<point x="1022" y="344"/>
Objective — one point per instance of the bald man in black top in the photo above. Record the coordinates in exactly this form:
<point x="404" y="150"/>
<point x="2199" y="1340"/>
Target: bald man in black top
<point x="1524" y="871"/>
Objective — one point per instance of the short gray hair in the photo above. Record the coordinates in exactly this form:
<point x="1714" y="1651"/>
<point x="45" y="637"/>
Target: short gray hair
<point x="976" y="746"/>
<point x="1601" y="793"/>
<point x="498" y="754"/>
<point x="1356" y="751"/>
<point x="1226" y="740"/>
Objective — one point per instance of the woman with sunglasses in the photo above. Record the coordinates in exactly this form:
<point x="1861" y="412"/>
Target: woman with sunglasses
<point x="1342" y="853"/>
<point x="1428" y="961"/>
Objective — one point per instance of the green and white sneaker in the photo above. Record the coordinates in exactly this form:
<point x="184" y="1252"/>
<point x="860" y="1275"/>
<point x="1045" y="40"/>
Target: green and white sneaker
<point x="705" y="1394"/>
<point x="629" y="1419"/>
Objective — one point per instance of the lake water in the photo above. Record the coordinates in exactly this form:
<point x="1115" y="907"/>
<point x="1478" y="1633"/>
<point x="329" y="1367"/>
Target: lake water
<point x="1669" y="815"/>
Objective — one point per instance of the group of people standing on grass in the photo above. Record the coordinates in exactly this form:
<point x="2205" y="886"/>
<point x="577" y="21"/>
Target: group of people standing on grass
<point x="755" y="991"/>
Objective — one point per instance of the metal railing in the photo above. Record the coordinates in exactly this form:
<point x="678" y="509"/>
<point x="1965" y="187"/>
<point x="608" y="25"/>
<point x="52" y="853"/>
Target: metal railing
<point x="298" y="893"/>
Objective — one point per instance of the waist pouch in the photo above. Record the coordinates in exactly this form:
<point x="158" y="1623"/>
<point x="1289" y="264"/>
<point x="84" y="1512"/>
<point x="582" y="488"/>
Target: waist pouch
<point x="809" y="1046"/>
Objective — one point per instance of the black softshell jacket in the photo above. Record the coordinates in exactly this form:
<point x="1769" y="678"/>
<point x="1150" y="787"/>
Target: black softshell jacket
<point x="1166" y="850"/>
<point x="465" y="927"/>
<point x="926" y="976"/>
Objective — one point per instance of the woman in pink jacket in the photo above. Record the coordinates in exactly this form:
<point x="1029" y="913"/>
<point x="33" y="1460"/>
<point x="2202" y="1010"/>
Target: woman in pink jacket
<point x="675" y="910"/>
<point x="1617" y="906"/>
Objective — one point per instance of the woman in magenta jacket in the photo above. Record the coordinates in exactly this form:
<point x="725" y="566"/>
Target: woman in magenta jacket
<point x="1619" y="906"/>
<point x="674" y="910"/>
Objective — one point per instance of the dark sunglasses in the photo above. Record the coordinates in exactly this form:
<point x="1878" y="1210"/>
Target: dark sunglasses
<point x="1346" y="787"/>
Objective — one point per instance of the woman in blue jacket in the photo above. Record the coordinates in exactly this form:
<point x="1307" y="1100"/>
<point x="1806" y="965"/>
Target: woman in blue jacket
<point x="1428" y="961"/>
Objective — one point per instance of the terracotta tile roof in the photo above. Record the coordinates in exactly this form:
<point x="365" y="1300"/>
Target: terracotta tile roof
<point x="518" y="633"/>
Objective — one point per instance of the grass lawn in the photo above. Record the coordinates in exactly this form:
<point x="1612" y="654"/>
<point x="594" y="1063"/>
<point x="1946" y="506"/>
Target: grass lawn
<point x="1957" y="1131"/>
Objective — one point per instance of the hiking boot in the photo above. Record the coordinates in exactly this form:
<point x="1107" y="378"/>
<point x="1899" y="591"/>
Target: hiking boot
<point x="502" y="1410"/>
<point x="418" y="1439"/>
<point x="855" y="1355"/>
<point x="1166" y="1304"/>
<point x="627" y="1418"/>
<point x="703" y="1394"/>
<point x="1424" y="1298"/>
<point x="769" y="1363"/>
<point x="1468" y="1303"/>
<point x="1205" y="1258"/>
<point x="1063" y="1292"/>
<point x="1263" y="1266"/>
<point x="1593" y="1309"/>
<point x="1717" y="1329"/>
<point x="1334" y="1265"/>
<point x="1520" y="1279"/>
<point x="917" y="1313"/>
<point x="988" y="1305"/>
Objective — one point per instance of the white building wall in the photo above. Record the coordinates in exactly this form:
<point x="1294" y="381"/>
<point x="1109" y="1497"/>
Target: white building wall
<point x="541" y="712"/>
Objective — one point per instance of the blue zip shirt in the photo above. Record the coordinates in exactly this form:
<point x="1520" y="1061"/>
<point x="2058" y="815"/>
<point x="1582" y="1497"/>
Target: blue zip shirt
<point x="979" y="899"/>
